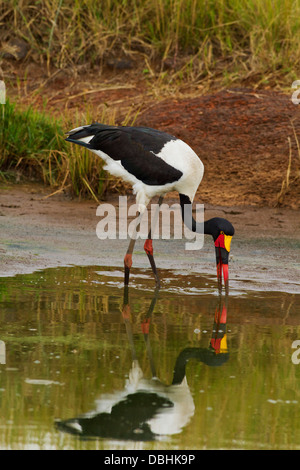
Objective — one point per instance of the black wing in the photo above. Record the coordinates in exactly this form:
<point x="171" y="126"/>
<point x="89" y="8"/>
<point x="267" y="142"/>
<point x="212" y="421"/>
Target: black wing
<point x="133" y="147"/>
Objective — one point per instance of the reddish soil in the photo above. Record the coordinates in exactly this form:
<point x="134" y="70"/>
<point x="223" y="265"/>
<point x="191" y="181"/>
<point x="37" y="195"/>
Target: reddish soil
<point x="242" y="138"/>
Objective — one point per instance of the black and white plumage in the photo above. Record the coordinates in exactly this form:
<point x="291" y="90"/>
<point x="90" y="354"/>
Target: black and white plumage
<point x="154" y="163"/>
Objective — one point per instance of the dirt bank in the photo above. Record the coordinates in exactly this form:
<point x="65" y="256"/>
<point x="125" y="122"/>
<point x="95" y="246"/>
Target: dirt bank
<point x="244" y="138"/>
<point x="39" y="232"/>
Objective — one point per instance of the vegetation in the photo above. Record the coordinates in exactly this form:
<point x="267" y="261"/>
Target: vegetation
<point x="219" y="41"/>
<point x="290" y="179"/>
<point x="33" y="142"/>
<point x="29" y="140"/>
<point x="232" y="37"/>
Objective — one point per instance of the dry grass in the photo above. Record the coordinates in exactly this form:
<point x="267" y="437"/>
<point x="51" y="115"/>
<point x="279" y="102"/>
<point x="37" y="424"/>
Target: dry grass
<point x="291" y="177"/>
<point x="237" y="39"/>
<point x="33" y="143"/>
<point x="172" y="41"/>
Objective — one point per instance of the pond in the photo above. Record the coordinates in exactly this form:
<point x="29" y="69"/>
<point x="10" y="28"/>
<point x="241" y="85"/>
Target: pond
<point x="87" y="365"/>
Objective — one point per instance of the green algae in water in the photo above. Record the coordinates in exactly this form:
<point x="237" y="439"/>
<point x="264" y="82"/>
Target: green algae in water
<point x="70" y="351"/>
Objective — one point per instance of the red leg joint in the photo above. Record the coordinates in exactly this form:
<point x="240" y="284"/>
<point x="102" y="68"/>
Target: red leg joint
<point x="145" y="325"/>
<point x="148" y="247"/>
<point x="128" y="261"/>
<point x="126" y="312"/>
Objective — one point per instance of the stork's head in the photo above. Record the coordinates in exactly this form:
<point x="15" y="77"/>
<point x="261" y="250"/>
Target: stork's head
<point x="222" y="232"/>
<point x="220" y="229"/>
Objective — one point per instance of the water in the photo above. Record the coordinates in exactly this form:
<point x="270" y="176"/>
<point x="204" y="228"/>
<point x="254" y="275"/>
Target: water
<point x="77" y="361"/>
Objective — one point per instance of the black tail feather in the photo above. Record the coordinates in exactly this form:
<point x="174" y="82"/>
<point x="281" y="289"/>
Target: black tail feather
<point x="79" y="142"/>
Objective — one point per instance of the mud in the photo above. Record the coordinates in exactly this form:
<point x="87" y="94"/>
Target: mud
<point x="38" y="232"/>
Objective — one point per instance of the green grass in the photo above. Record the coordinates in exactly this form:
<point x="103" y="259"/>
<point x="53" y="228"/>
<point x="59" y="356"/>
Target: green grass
<point x="227" y="41"/>
<point x="242" y="37"/>
<point x="33" y="143"/>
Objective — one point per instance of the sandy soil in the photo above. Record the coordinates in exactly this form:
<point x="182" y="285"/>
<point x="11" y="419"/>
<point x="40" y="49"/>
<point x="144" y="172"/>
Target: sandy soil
<point x="38" y="232"/>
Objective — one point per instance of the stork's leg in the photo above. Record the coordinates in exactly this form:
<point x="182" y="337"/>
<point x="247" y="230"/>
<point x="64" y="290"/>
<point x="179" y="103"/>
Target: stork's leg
<point x="128" y="256"/>
<point x="148" y="246"/>
<point x="145" y="329"/>
<point x="126" y="313"/>
<point x="128" y="261"/>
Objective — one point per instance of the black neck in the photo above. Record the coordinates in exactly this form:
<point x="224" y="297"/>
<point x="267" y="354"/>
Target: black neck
<point x="188" y="219"/>
<point x="205" y="355"/>
<point x="181" y="362"/>
<point x="212" y="227"/>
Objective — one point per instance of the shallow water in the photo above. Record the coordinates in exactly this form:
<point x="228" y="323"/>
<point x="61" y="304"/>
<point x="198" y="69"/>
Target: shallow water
<point x="77" y="361"/>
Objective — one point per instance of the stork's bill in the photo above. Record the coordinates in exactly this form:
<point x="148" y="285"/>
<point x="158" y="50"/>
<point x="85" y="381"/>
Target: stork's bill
<point x="222" y="247"/>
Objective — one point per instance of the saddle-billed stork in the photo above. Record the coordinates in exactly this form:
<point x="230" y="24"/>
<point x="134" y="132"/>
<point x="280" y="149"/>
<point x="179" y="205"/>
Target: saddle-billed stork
<point x="155" y="163"/>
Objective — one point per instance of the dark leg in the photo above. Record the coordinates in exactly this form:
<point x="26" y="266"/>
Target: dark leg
<point x="145" y="329"/>
<point x="126" y="313"/>
<point x="148" y="247"/>
<point x="128" y="256"/>
<point x="128" y="261"/>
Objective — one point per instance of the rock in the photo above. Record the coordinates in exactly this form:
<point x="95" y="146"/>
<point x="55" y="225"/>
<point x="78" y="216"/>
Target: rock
<point x="119" y="64"/>
<point x="16" y="49"/>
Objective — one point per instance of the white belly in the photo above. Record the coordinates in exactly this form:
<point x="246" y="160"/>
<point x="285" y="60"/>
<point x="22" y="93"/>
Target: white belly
<point x="178" y="155"/>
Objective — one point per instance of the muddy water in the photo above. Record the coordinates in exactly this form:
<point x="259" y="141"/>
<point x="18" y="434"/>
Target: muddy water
<point x="85" y="365"/>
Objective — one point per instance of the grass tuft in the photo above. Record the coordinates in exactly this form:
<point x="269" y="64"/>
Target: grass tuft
<point x="30" y="141"/>
<point x="33" y="143"/>
<point x="290" y="179"/>
<point x="242" y="37"/>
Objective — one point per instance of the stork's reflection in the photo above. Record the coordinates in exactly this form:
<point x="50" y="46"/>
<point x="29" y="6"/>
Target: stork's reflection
<point x="147" y="409"/>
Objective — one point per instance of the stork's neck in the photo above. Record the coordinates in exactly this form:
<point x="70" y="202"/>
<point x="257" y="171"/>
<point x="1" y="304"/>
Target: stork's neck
<point x="200" y="354"/>
<point x="188" y="219"/>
